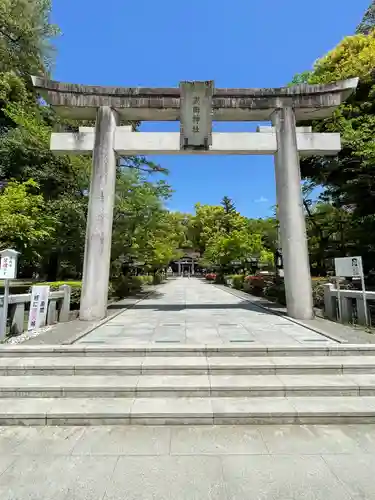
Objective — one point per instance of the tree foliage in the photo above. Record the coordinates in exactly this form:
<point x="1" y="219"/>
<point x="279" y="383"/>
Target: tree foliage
<point x="50" y="192"/>
<point x="222" y="235"/>
<point x="25" y="35"/>
<point x="44" y="196"/>
<point x="342" y="221"/>
<point x="25" y="223"/>
<point x="368" y="22"/>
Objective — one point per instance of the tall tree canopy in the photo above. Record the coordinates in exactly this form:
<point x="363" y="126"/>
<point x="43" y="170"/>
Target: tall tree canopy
<point x="368" y="22"/>
<point x="25" y="36"/>
<point x="344" y="221"/>
<point x="44" y="196"/>
<point x="222" y="235"/>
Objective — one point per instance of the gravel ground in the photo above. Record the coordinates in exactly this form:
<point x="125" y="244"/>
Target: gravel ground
<point x="18" y="339"/>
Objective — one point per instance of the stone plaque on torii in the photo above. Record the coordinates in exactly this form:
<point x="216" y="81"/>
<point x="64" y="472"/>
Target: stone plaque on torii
<point x="196" y="115"/>
<point x="195" y="105"/>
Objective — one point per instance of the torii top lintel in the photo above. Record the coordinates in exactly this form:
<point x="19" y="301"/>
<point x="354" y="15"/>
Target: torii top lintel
<point x="163" y="104"/>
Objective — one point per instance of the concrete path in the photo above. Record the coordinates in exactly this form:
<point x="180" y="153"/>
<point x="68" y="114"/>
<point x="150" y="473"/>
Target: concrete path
<point x="186" y="463"/>
<point x="191" y="311"/>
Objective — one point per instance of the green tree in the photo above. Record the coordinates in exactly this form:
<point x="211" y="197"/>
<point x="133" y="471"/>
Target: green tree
<point x="228" y="205"/>
<point x="267" y="228"/>
<point x="223" y="235"/>
<point x="223" y="248"/>
<point x="229" y="214"/>
<point x="347" y="179"/>
<point x="368" y="22"/>
<point x="207" y="221"/>
<point x="25" y="48"/>
<point x="25" y="35"/>
<point x="25" y="223"/>
<point x="62" y="256"/>
<point x="60" y="184"/>
<point x="138" y="214"/>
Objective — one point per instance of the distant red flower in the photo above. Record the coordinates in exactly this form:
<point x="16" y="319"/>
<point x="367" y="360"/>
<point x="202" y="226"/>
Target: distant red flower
<point x="255" y="281"/>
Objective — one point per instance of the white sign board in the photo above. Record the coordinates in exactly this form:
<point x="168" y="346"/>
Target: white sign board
<point x="349" y="267"/>
<point x="8" y="266"/>
<point x="196" y="115"/>
<point x="38" y="307"/>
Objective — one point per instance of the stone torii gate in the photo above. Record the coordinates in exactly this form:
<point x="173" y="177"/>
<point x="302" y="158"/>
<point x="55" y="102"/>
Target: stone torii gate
<point x="195" y="105"/>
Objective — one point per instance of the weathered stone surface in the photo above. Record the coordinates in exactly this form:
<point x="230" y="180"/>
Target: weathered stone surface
<point x="281" y="478"/>
<point x="157" y="104"/>
<point x="217" y="440"/>
<point x="291" y="216"/>
<point x="97" y="256"/>
<point x="167" y="478"/>
<point x="189" y="311"/>
<point x="314" y="439"/>
<point x="123" y="440"/>
<point x="187" y="462"/>
<point x="60" y="478"/>
<point x="168" y="143"/>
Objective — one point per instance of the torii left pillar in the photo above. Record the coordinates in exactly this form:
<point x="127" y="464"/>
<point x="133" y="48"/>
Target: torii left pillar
<point x="97" y="258"/>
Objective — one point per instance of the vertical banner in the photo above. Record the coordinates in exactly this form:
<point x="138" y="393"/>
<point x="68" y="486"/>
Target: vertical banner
<point x="38" y="307"/>
<point x="196" y="115"/>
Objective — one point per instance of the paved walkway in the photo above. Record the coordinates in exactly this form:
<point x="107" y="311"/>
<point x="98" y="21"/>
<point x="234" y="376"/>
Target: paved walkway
<point x="188" y="463"/>
<point x="192" y="311"/>
<point x="278" y="462"/>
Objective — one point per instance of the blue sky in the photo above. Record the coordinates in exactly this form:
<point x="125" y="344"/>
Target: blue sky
<point x="237" y="43"/>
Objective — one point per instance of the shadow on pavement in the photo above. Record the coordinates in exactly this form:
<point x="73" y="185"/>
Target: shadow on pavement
<point x="180" y="307"/>
<point x="127" y="301"/>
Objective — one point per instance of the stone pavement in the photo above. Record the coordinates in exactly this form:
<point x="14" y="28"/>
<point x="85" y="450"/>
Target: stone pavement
<point x="192" y="311"/>
<point x="186" y="463"/>
<point x="68" y="333"/>
<point x="220" y="344"/>
<point x="355" y="334"/>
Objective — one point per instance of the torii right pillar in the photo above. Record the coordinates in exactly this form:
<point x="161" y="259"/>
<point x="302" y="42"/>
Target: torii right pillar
<point x="291" y="217"/>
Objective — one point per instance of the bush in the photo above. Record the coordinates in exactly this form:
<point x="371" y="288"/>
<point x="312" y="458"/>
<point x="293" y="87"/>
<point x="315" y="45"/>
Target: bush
<point x="237" y="281"/>
<point x="219" y="279"/>
<point x="275" y="291"/>
<point x="254" y="284"/>
<point x="147" y="280"/>
<point x="158" y="278"/>
<point x="318" y="292"/>
<point x="210" y="277"/>
<point x="273" y="288"/>
<point x="126" y="285"/>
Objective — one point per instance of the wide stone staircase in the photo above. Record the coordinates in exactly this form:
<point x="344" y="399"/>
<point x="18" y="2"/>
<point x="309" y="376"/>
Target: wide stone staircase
<point x="94" y="385"/>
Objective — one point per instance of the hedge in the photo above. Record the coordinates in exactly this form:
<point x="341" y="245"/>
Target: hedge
<point x="273" y="288"/>
<point x="118" y="288"/>
<point x="237" y="281"/>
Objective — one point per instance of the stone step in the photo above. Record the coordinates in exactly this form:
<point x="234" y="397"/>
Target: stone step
<point x="179" y="411"/>
<point x="198" y="365"/>
<point x="177" y="386"/>
<point x="164" y="350"/>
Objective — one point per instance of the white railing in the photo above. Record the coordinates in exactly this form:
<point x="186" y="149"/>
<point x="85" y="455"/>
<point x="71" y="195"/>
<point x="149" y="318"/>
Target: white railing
<point x="58" y="308"/>
<point x="347" y="297"/>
